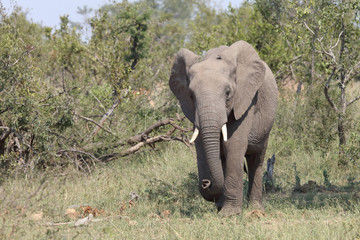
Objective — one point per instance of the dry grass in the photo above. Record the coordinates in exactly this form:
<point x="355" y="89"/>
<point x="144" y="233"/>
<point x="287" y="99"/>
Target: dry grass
<point x="169" y="206"/>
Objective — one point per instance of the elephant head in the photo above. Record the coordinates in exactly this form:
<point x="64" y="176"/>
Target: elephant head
<point x="210" y="89"/>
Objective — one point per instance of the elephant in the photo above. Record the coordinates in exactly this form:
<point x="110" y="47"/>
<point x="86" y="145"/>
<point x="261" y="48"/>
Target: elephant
<point x="230" y="96"/>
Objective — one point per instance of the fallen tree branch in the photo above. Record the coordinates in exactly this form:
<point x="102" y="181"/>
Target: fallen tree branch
<point x="180" y="128"/>
<point x="60" y="152"/>
<point x="148" y="141"/>
<point x="136" y="142"/>
<point x="136" y="147"/>
<point x="143" y="136"/>
<point x="142" y="139"/>
<point x="53" y="224"/>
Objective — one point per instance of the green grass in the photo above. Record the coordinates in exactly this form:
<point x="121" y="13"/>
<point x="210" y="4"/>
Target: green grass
<point x="170" y="206"/>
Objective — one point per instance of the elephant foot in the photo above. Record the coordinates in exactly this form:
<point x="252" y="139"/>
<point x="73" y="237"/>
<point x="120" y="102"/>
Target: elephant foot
<point x="256" y="205"/>
<point x="228" y="210"/>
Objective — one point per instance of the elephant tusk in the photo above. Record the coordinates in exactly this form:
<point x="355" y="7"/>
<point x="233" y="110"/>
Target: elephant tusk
<point x="195" y="135"/>
<point x="224" y="132"/>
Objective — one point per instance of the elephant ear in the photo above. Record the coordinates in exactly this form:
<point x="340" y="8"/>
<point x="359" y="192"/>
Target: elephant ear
<point x="179" y="81"/>
<point x="250" y="74"/>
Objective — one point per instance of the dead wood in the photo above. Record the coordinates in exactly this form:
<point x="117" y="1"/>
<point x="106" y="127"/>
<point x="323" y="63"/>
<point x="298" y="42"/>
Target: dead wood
<point x="3" y="137"/>
<point x="143" y="136"/>
<point x="94" y="122"/>
<point x="134" y="143"/>
<point x="103" y="119"/>
<point x="268" y="176"/>
<point x="143" y="139"/>
<point x="55" y="224"/>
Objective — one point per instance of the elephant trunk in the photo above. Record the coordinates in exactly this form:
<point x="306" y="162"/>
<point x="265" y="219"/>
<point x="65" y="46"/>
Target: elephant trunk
<point x="211" y="189"/>
<point x="210" y="123"/>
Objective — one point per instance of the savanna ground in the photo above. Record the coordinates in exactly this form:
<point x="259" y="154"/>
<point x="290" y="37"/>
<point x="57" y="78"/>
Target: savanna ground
<point x="170" y="207"/>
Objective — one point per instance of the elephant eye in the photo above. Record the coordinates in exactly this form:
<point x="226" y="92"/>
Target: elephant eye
<point x="227" y="94"/>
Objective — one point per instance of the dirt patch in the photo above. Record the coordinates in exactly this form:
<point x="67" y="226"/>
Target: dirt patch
<point x="313" y="187"/>
<point x="310" y="186"/>
<point x="257" y="214"/>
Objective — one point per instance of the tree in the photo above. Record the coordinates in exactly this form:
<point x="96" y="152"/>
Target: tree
<point x="326" y="36"/>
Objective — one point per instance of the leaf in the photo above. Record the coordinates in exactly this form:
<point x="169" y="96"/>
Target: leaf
<point x="72" y="213"/>
<point x="37" y="216"/>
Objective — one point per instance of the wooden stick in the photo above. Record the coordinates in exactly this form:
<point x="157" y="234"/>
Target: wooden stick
<point x="52" y="224"/>
<point x="94" y="122"/>
<point x="103" y="119"/>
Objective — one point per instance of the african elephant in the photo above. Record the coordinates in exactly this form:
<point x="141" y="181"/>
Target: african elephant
<point x="230" y="96"/>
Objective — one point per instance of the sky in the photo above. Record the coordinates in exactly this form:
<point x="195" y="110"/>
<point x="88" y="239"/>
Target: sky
<point x="47" y="12"/>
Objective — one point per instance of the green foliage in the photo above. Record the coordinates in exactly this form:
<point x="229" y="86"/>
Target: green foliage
<point x="352" y="149"/>
<point x="322" y="39"/>
<point x="119" y="40"/>
<point x="245" y="23"/>
<point x="25" y="113"/>
<point x="55" y="87"/>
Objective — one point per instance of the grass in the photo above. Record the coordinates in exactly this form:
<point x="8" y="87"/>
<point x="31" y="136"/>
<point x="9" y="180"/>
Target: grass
<point x="170" y="206"/>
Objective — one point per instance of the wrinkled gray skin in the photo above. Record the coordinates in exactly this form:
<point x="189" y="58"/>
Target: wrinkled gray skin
<point x="232" y="86"/>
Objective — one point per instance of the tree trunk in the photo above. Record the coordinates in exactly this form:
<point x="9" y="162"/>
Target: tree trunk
<point x="342" y="108"/>
<point x="342" y="141"/>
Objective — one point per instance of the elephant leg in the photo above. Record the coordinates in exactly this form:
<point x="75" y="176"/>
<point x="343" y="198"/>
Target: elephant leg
<point x="254" y="163"/>
<point x="232" y="198"/>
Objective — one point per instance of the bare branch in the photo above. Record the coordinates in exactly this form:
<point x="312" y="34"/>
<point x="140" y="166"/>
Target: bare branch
<point x="185" y="140"/>
<point x="60" y="152"/>
<point x="308" y="28"/>
<point x="293" y="74"/>
<point x="6" y="133"/>
<point x="54" y="224"/>
<point x="329" y="53"/>
<point x="338" y="40"/>
<point x="138" y="146"/>
<point x="98" y="100"/>
<point x="353" y="71"/>
<point x="94" y="122"/>
<point x="49" y="97"/>
<point x="103" y="119"/>
<point x="296" y="58"/>
<point x="143" y="139"/>
<point x="18" y="145"/>
<point x="180" y="128"/>
<point x="141" y="136"/>
<point x="352" y="101"/>
<point x="148" y="141"/>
